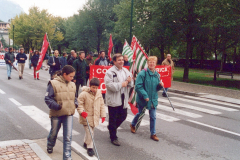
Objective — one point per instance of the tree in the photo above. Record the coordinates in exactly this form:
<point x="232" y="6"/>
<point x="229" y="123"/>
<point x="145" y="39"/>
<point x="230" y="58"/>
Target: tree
<point x="29" y="29"/>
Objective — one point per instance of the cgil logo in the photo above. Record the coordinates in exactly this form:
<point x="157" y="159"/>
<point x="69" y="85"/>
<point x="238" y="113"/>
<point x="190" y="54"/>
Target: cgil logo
<point x="99" y="71"/>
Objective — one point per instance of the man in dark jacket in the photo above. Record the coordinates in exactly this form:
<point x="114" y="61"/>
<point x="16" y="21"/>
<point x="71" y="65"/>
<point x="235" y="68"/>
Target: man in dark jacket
<point x="80" y="65"/>
<point x="63" y="60"/>
<point x="9" y="59"/>
<point x="126" y="62"/>
<point x="102" y="61"/>
<point x="21" y="57"/>
<point x="73" y="57"/>
<point x="89" y="60"/>
<point x="54" y="63"/>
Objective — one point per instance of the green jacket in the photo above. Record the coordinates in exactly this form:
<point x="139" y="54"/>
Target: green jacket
<point x="147" y="86"/>
<point x="81" y="67"/>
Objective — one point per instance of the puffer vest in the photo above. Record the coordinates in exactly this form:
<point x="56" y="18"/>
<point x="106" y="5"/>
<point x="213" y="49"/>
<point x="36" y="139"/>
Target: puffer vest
<point x="64" y="96"/>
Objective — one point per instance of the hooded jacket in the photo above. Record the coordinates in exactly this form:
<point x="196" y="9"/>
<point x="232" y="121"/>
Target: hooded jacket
<point x="93" y="105"/>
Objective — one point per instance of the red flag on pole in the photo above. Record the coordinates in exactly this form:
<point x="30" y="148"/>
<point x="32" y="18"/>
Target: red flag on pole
<point x="1" y="45"/>
<point x="110" y="47"/>
<point x="43" y="52"/>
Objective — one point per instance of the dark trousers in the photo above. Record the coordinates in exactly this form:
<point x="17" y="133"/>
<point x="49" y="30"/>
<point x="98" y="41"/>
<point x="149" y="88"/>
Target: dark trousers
<point x="116" y="116"/>
<point x="79" y="82"/>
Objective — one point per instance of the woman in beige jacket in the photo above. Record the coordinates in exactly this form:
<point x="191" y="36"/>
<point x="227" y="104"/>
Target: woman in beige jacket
<point x="91" y="105"/>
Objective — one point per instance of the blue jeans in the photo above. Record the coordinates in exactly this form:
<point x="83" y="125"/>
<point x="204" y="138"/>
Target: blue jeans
<point x="166" y="91"/>
<point x="67" y="122"/>
<point x="9" y="70"/>
<point x="152" y="116"/>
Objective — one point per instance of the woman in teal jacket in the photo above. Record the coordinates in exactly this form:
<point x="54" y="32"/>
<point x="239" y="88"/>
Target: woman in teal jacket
<point x="147" y="85"/>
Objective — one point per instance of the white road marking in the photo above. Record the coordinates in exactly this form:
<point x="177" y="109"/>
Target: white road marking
<point x="15" y="102"/>
<point x="178" y="111"/>
<point x="204" y="104"/>
<point x="82" y="151"/>
<point x="42" y="118"/>
<point x="2" y="92"/>
<point x="214" y="101"/>
<point x="220" y="129"/>
<point x="190" y="107"/>
<point x="30" y="74"/>
<point x="164" y="117"/>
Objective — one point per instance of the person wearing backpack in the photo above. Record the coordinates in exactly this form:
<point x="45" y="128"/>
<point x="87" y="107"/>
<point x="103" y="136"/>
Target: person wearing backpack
<point x="147" y="85"/>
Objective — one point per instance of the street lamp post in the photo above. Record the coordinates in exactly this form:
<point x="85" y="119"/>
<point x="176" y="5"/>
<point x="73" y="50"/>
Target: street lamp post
<point x="131" y="22"/>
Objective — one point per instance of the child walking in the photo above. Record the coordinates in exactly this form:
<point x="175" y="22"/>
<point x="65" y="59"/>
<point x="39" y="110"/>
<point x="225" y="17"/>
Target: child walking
<point x="91" y="105"/>
<point x="61" y="100"/>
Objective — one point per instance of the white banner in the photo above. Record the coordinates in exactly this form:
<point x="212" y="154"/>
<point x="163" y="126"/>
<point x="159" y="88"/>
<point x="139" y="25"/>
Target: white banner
<point x="2" y="61"/>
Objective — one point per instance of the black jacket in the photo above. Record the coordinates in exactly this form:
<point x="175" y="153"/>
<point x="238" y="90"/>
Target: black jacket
<point x="34" y="60"/>
<point x="81" y="67"/>
<point x="55" y="68"/>
<point x="9" y="56"/>
<point x="71" y="60"/>
<point x="21" y="55"/>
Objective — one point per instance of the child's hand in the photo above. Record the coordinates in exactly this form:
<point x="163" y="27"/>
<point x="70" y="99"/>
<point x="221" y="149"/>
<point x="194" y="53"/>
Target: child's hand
<point x="103" y="119"/>
<point x="84" y="114"/>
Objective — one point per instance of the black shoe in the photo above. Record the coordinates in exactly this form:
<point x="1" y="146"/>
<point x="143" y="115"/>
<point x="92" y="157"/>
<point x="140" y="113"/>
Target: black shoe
<point x="90" y="152"/>
<point x="20" y="77"/>
<point x="38" y="79"/>
<point x="9" y="78"/>
<point x="49" y="149"/>
<point x="85" y="145"/>
<point x="116" y="142"/>
<point x="164" y="95"/>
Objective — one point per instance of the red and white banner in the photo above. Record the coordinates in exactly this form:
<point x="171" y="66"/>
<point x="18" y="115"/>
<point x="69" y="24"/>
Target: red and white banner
<point x="110" y="47"/>
<point x="100" y="71"/>
<point x="42" y="53"/>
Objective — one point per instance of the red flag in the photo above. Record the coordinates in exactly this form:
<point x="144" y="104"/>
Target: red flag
<point x="43" y="52"/>
<point x="110" y="47"/>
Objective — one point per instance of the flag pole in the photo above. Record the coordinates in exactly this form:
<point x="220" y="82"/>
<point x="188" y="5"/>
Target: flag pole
<point x="50" y="47"/>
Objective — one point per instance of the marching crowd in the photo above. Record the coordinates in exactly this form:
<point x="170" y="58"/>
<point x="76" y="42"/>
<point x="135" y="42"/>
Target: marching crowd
<point x="67" y="74"/>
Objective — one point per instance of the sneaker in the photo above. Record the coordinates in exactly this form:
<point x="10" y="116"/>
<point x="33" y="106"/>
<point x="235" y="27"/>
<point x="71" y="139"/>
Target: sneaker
<point x="90" y="152"/>
<point x="115" y="142"/>
<point x="132" y="128"/>
<point x="85" y="145"/>
<point x="154" y="137"/>
<point x="49" y="149"/>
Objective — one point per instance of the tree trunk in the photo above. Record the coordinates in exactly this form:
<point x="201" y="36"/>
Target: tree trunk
<point x="162" y="52"/>
<point x="234" y="58"/>
<point x="190" y="7"/>
<point x="215" y="52"/>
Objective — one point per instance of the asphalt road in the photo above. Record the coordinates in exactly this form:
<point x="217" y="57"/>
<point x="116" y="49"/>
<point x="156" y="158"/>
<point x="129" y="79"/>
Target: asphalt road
<point x="199" y="128"/>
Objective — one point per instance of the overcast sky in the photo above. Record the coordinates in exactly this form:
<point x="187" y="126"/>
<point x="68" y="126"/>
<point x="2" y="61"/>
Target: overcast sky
<point x="63" y="8"/>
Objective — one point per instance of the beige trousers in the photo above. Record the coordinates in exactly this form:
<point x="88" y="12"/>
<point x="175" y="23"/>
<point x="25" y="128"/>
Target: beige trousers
<point x="87" y="138"/>
<point x="21" y="68"/>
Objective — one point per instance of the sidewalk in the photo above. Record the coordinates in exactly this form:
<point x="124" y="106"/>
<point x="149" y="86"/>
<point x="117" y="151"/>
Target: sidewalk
<point x="205" y="91"/>
<point x="31" y="150"/>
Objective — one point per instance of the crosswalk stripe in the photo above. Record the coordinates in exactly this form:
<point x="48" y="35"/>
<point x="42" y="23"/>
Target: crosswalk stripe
<point x="220" y="129"/>
<point x="15" y="102"/>
<point x="214" y="101"/>
<point x="82" y="151"/>
<point x="2" y="92"/>
<point x="164" y="117"/>
<point x="178" y="111"/>
<point x="204" y="104"/>
<point x="42" y="118"/>
<point x="130" y="118"/>
<point x="190" y="107"/>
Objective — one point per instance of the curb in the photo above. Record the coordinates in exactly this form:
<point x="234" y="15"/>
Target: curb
<point x="187" y="93"/>
<point x="34" y="146"/>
